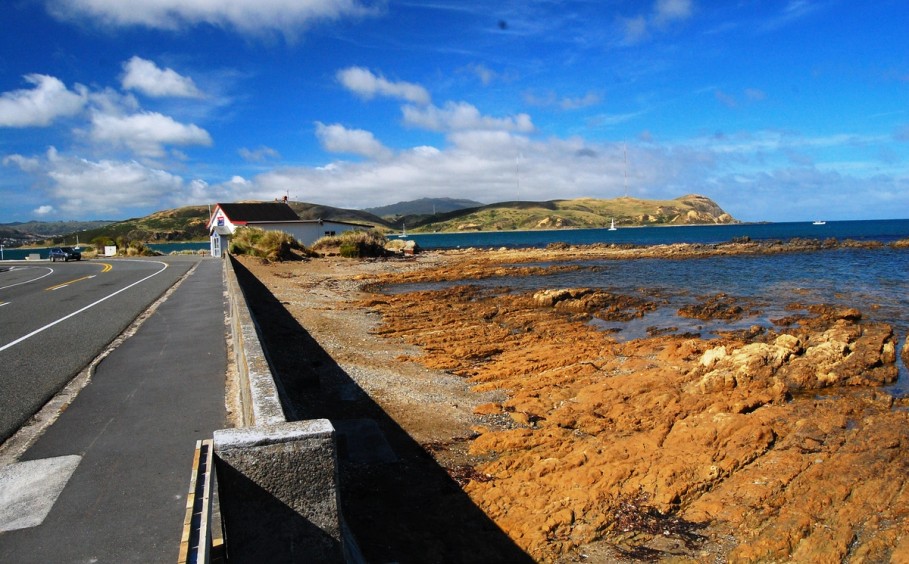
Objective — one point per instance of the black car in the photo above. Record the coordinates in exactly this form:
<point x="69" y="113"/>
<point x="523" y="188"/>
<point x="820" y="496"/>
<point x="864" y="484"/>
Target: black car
<point x="64" y="253"/>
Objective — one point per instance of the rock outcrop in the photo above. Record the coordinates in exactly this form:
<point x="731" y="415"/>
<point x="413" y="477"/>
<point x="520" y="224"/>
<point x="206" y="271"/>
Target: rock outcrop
<point x="771" y="445"/>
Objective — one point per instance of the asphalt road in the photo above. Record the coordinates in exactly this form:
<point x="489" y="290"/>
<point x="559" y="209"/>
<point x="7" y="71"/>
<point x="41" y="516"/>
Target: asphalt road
<point x="55" y="318"/>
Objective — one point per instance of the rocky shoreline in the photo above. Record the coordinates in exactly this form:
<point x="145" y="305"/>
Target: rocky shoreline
<point x="763" y="444"/>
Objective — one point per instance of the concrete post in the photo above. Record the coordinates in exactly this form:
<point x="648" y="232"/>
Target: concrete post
<point x="278" y="492"/>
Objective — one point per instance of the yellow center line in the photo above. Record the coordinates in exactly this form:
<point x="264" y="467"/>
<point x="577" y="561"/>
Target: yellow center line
<point x="107" y="268"/>
<point x="58" y="286"/>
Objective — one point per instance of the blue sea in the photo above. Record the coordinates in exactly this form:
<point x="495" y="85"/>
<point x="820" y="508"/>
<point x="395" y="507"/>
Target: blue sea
<point x="875" y="230"/>
<point x="876" y="281"/>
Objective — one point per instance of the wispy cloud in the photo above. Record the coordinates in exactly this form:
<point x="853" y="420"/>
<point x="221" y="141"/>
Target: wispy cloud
<point x="551" y="99"/>
<point x="461" y="116"/>
<point x="663" y="13"/>
<point x="258" y="155"/>
<point x="793" y="11"/>
<point x="246" y="16"/>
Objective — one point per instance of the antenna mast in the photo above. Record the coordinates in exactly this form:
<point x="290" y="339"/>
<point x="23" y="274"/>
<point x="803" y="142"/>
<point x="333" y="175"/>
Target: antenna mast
<point x="625" y="168"/>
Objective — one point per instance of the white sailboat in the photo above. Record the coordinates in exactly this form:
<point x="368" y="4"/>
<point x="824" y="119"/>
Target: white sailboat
<point x="612" y="226"/>
<point x="819" y="222"/>
<point x="403" y="234"/>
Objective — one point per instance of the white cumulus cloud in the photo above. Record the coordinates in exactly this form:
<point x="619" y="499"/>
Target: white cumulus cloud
<point x="43" y="210"/>
<point x="82" y="187"/>
<point x="368" y="85"/>
<point x="146" y="133"/>
<point x="40" y="106"/>
<point x="146" y="77"/>
<point x="339" y="139"/>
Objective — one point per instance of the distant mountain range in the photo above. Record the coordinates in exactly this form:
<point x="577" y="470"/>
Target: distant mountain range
<point x="189" y="223"/>
<point x="423" y="206"/>
<point x="19" y="233"/>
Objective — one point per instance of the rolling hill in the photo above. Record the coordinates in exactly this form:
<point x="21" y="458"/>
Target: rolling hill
<point x="579" y="213"/>
<point x="189" y="223"/>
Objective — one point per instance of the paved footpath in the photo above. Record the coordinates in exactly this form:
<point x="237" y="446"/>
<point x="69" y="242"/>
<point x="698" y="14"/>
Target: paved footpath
<point x="126" y="442"/>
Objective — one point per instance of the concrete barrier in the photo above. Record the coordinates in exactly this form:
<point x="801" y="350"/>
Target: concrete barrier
<point x="260" y="397"/>
<point x="279" y="496"/>
<point x="277" y="480"/>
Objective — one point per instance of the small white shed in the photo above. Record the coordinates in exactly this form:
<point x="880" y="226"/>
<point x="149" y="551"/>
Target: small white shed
<point x="270" y="216"/>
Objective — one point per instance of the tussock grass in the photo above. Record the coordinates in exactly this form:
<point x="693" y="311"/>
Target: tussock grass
<point x="353" y="244"/>
<point x="270" y="245"/>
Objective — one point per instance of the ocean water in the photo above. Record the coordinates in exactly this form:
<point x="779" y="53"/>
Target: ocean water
<point x="875" y="281"/>
<point x="873" y="230"/>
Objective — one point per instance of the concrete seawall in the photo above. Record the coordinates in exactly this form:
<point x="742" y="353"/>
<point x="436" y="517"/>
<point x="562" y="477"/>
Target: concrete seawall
<point x="277" y="480"/>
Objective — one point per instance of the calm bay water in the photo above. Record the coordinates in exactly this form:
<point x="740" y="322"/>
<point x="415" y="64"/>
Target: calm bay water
<point x="876" y="230"/>
<point x="876" y="281"/>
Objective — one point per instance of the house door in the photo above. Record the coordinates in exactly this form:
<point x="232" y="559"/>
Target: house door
<point x="216" y="245"/>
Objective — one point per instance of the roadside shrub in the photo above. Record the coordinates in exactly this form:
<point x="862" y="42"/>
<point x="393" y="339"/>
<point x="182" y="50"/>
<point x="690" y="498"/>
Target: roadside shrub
<point x="140" y="249"/>
<point x="269" y="245"/>
<point x="353" y="244"/>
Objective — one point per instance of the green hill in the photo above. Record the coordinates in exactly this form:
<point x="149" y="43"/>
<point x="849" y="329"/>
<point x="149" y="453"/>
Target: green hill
<point x="189" y="223"/>
<point x="580" y="213"/>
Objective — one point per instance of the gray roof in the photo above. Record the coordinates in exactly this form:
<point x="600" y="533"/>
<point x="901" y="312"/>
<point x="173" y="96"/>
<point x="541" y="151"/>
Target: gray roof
<point x="261" y="211"/>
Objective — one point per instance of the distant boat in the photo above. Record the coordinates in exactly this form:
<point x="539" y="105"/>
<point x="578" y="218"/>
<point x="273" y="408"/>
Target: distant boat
<point x="819" y="222"/>
<point x="612" y="225"/>
<point x="403" y="234"/>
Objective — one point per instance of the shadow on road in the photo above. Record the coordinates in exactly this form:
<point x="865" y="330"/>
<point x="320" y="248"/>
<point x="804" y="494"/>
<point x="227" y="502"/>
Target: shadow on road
<point x="399" y="503"/>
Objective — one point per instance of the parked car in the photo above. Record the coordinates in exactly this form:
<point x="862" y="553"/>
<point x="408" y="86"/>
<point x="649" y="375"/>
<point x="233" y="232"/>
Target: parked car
<point x="64" y="253"/>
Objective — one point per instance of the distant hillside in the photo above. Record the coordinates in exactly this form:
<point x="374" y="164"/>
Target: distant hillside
<point x="189" y="223"/>
<point x="180" y="224"/>
<point x="316" y="211"/>
<point x="423" y="206"/>
<point x="23" y="232"/>
<point x="580" y="213"/>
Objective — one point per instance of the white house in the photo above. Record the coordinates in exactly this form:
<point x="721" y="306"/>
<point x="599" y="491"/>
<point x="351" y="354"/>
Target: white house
<point x="270" y="216"/>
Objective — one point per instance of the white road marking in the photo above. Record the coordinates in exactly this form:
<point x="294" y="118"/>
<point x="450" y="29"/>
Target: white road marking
<point x="28" y="490"/>
<point x="49" y="272"/>
<point x="77" y="312"/>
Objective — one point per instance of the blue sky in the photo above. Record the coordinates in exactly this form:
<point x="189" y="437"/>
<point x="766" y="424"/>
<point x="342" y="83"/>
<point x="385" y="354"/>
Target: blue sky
<point x="778" y="110"/>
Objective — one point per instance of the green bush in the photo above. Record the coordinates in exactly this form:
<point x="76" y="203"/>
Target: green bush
<point x="269" y="245"/>
<point x="353" y="244"/>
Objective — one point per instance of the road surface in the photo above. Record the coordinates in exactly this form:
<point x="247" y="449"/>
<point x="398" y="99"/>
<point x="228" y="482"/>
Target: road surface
<point x="55" y="318"/>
